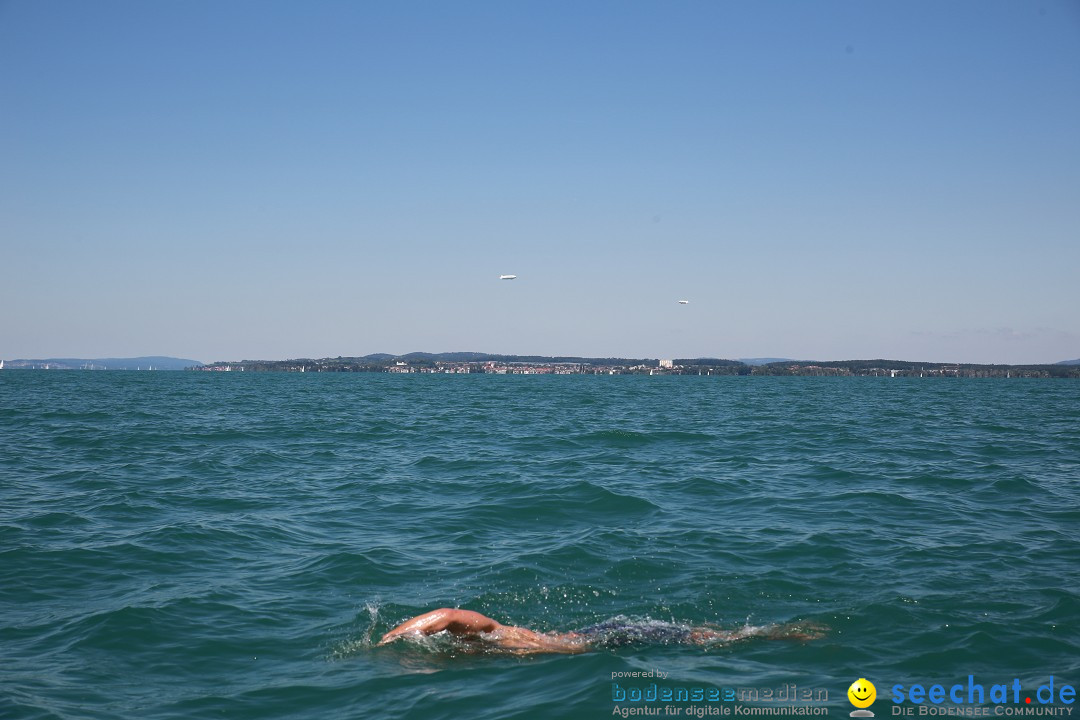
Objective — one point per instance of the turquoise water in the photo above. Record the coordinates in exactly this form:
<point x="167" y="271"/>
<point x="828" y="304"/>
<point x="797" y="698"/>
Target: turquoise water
<point x="178" y="545"/>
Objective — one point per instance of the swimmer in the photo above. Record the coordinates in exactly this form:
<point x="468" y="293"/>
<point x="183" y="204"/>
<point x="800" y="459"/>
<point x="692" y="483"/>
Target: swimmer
<point x="473" y="626"/>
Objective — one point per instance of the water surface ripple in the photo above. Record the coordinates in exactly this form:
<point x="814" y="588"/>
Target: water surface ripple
<point x="177" y="545"/>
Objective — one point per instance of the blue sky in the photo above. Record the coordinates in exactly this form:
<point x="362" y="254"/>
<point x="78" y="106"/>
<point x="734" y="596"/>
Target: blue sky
<point x="826" y="180"/>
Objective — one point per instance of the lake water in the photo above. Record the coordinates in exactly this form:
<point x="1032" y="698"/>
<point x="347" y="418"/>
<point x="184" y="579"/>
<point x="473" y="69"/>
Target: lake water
<point x="182" y="545"/>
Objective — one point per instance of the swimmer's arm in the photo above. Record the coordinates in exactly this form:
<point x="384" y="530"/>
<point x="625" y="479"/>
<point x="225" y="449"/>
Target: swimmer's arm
<point x="457" y="622"/>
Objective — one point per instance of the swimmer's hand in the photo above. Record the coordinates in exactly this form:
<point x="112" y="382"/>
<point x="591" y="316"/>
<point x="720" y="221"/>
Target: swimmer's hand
<point x="390" y="637"/>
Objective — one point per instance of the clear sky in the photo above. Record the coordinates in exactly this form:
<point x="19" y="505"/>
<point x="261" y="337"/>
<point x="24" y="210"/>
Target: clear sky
<point x="226" y="180"/>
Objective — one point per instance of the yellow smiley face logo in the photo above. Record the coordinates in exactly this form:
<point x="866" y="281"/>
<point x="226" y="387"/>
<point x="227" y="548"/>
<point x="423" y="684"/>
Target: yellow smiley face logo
<point x="862" y="693"/>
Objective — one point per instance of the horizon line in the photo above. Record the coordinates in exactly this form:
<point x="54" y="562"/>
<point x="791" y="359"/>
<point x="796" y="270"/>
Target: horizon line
<point x="761" y="360"/>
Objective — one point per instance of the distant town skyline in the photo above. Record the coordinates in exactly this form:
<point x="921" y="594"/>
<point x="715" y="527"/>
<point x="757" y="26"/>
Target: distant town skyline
<point x="824" y="181"/>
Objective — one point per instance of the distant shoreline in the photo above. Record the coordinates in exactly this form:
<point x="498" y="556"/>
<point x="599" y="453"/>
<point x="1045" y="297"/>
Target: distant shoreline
<point x="476" y="363"/>
<point x="483" y="363"/>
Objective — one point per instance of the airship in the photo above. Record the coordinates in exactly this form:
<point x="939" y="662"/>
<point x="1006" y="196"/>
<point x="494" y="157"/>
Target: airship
<point x="684" y="302"/>
<point x="507" y="277"/>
